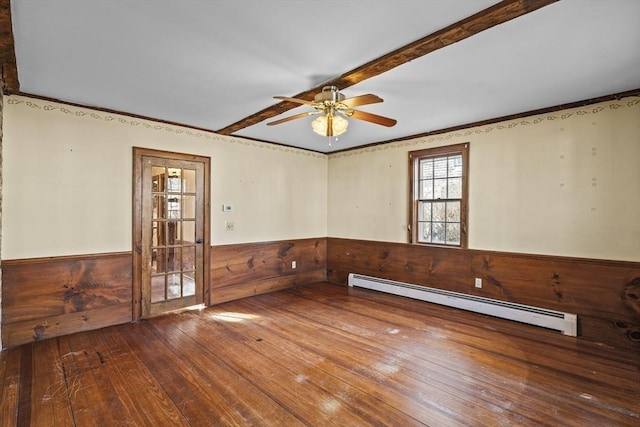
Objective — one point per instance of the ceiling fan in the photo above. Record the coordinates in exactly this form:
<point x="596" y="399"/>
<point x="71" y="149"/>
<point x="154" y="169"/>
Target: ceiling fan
<point x="333" y="107"/>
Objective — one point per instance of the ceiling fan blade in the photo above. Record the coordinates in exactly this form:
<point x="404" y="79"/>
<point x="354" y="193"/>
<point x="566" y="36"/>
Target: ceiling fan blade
<point x="369" y="117"/>
<point x="296" y="100"/>
<point x="361" y="100"/>
<point x="297" y="116"/>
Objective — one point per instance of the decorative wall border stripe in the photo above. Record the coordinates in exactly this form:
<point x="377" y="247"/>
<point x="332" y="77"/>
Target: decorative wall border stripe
<point x="151" y="125"/>
<point x="630" y="102"/>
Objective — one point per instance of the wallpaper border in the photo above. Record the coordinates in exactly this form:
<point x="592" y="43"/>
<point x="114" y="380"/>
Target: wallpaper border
<point x="463" y="134"/>
<point x="628" y="102"/>
<point x="85" y="112"/>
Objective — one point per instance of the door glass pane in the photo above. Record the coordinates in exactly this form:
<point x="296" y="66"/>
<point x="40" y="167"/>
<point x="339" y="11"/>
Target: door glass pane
<point x="173" y="207"/>
<point x="174" y="180"/>
<point x="158" y="175"/>
<point x="173" y="233"/>
<point x="174" y="259"/>
<point x="188" y="258"/>
<point x="189" y="180"/>
<point x="188" y="283"/>
<point x="188" y="232"/>
<point x="158" y="206"/>
<point x="158" y="233"/>
<point x="157" y="288"/>
<point x="189" y="206"/>
<point x="154" y="234"/>
<point x="158" y="260"/>
<point x="173" y="286"/>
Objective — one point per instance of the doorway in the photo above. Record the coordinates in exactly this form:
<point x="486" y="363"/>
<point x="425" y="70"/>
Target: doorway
<point x="171" y="231"/>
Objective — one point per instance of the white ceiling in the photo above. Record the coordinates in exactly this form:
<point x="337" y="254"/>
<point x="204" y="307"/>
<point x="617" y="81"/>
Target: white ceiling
<point x="209" y="64"/>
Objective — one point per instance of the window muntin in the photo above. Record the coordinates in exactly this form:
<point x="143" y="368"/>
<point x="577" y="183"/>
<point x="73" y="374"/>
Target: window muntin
<point x="438" y="199"/>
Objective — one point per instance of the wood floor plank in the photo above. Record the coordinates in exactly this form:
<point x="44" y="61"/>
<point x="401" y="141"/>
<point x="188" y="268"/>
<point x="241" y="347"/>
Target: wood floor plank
<point x="10" y="382"/>
<point x="240" y="401"/>
<point x="521" y="337"/>
<point x="599" y="371"/>
<point x="75" y="385"/>
<point x="594" y="374"/>
<point x="82" y="391"/>
<point x="381" y="370"/>
<point x="320" y="354"/>
<point x="302" y="371"/>
<point x="534" y="338"/>
<point x="368" y="369"/>
<point x="450" y="317"/>
<point x="50" y="400"/>
<point x="25" y="388"/>
<point x="91" y="363"/>
<point x="572" y="398"/>
<point x="314" y="406"/>
<point x="136" y="385"/>
<point x="199" y="403"/>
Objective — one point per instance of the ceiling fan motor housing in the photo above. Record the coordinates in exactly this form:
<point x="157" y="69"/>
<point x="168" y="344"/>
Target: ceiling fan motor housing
<point x="329" y="93"/>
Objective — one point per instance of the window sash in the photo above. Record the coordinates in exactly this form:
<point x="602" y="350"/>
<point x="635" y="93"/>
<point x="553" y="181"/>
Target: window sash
<point x="439" y="181"/>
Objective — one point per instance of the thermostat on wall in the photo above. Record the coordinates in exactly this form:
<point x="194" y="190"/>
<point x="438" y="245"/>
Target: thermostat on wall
<point x="227" y="208"/>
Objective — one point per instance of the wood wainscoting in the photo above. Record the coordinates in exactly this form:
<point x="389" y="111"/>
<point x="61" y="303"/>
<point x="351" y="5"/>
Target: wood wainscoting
<point x="243" y="270"/>
<point x="49" y="297"/>
<point x="604" y="294"/>
<point x="55" y="296"/>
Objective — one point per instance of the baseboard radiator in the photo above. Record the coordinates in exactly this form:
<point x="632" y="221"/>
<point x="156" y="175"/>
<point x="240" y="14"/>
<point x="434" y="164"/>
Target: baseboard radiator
<point x="565" y="322"/>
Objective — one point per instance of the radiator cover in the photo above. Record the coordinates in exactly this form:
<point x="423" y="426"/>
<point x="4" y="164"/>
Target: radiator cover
<point x="567" y="323"/>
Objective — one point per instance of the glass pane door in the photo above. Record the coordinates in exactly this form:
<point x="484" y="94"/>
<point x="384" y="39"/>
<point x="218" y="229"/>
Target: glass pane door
<point x="171" y="234"/>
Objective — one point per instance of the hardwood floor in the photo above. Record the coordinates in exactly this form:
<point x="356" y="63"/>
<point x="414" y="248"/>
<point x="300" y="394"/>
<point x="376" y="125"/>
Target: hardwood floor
<point x="320" y="355"/>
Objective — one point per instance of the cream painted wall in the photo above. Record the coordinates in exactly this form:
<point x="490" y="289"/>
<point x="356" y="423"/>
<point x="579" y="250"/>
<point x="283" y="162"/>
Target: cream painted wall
<point x="68" y="181"/>
<point x="565" y="183"/>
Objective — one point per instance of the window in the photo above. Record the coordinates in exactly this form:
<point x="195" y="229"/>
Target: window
<point x="438" y="201"/>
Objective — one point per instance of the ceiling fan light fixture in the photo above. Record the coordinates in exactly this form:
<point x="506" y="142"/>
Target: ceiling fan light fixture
<point x="339" y="125"/>
<point x="333" y="110"/>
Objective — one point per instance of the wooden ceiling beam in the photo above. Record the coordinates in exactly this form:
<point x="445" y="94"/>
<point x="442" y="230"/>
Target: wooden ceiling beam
<point x="483" y="20"/>
<point x="8" y="66"/>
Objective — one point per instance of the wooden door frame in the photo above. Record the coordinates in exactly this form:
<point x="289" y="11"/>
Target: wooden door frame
<point x="138" y="154"/>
